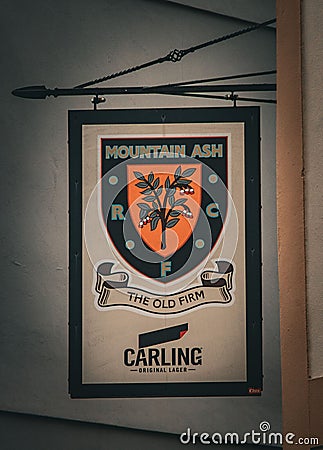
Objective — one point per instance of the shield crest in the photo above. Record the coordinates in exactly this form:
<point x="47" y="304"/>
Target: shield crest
<point x="165" y="204"/>
<point x="164" y="217"/>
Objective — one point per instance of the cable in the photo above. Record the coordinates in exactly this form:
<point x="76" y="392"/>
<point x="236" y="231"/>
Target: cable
<point x="220" y="97"/>
<point x="228" y="77"/>
<point x="176" y="55"/>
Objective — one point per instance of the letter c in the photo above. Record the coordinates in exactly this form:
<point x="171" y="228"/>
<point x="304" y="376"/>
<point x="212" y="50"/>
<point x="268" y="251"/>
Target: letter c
<point x="127" y="353"/>
<point x="212" y="210"/>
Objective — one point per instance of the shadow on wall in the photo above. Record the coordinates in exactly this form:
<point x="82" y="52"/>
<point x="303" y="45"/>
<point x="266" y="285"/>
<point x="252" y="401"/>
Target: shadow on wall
<point x="29" y="432"/>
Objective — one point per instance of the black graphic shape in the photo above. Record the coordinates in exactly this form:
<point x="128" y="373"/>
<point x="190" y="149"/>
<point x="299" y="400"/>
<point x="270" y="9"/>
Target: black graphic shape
<point x="163" y="335"/>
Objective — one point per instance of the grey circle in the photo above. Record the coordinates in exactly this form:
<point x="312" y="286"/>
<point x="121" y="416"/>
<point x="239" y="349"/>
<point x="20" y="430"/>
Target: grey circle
<point x="130" y="244"/>
<point x="199" y="243"/>
<point x="113" y="179"/>
<point x="213" y="178"/>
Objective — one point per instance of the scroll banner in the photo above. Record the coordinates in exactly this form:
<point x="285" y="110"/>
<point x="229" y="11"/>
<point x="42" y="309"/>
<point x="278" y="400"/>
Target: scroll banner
<point x="114" y="291"/>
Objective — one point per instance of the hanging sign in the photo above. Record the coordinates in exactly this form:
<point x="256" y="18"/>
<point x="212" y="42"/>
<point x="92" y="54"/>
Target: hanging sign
<point x="165" y="271"/>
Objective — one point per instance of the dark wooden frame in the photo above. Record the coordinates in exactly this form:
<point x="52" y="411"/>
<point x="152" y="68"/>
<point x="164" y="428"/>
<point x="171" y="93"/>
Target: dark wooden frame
<point x="250" y="116"/>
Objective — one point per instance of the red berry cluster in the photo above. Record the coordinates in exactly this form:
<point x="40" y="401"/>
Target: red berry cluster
<point x="145" y="221"/>
<point x="187" y="213"/>
<point x="187" y="191"/>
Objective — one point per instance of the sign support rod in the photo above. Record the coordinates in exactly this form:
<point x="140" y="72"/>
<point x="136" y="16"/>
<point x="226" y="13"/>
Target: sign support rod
<point x="41" y="92"/>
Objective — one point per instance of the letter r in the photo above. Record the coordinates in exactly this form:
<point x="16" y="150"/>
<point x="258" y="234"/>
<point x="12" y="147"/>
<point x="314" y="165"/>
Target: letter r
<point x="117" y="212"/>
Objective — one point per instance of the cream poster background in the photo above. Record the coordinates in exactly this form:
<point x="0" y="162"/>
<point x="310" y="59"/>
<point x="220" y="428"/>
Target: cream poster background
<point x="220" y="331"/>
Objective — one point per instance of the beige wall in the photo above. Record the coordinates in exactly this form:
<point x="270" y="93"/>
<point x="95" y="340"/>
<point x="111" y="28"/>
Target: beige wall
<point x="299" y="199"/>
<point x="290" y="220"/>
<point x="312" y="67"/>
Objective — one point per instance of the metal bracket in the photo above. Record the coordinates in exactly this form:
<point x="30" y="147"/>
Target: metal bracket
<point x="234" y="97"/>
<point x="96" y="101"/>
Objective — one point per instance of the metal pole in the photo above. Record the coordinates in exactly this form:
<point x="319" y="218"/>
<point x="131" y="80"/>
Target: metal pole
<point x="41" y="92"/>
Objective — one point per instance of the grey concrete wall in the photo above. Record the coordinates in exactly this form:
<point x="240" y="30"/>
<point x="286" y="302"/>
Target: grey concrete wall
<point x="39" y="433"/>
<point x="246" y="10"/>
<point x="61" y="43"/>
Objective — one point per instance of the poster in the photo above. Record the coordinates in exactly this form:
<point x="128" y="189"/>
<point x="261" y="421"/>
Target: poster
<point x="165" y="253"/>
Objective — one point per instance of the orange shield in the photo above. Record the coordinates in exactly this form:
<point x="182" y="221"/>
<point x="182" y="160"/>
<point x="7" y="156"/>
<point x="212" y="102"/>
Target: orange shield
<point x="164" y="203"/>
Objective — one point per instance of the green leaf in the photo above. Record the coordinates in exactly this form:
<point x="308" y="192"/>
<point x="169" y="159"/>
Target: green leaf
<point x="167" y="183"/>
<point x="175" y="213"/>
<point x="146" y="191"/>
<point x="142" y="184"/>
<point x="171" y="200"/>
<point x="139" y="175"/>
<point x="171" y="223"/>
<point x="155" y="205"/>
<point x="178" y="172"/>
<point x="180" y="201"/>
<point x="156" y="183"/>
<point x="154" y="214"/>
<point x="142" y="213"/>
<point x="154" y="223"/>
<point x="171" y="192"/>
<point x="150" y="198"/>
<point x="159" y="191"/>
<point x="188" y="172"/>
<point x="144" y="206"/>
<point x="183" y="182"/>
<point x="151" y="177"/>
